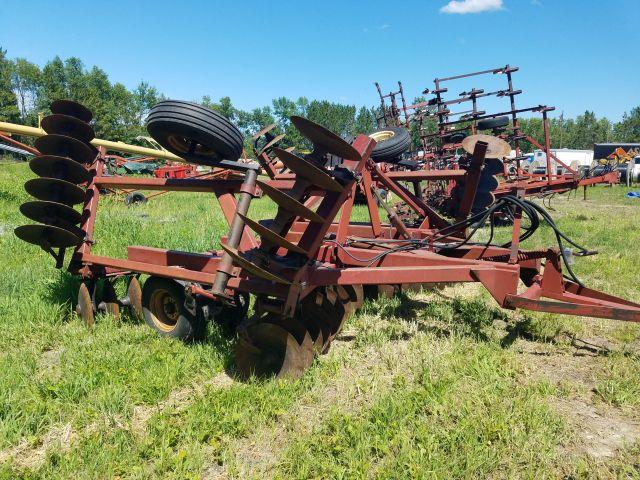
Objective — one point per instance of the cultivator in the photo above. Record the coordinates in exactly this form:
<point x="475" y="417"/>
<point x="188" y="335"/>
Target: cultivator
<point x="308" y="266"/>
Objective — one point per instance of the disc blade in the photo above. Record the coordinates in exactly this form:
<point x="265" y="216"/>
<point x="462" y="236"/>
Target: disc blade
<point x="54" y="190"/>
<point x="73" y="109"/>
<point x="84" y="307"/>
<point x="265" y="349"/>
<point x="316" y="176"/>
<point x="487" y="183"/>
<point x="63" y="146"/>
<point x="43" y="212"/>
<point x="273" y="142"/>
<point x="289" y="203"/>
<point x="62" y="168"/>
<point x="251" y="267"/>
<point x="271" y="236"/>
<point x="134" y="292"/>
<point x="61" y="124"/>
<point x="496" y="148"/>
<point x="493" y="166"/>
<point x="47" y="236"/>
<point x="266" y="129"/>
<point x="324" y="140"/>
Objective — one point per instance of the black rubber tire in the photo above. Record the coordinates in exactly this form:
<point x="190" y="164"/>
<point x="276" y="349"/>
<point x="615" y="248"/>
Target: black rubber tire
<point x="175" y="123"/>
<point x="164" y="311"/>
<point x="491" y="123"/>
<point x="390" y="150"/>
<point x="135" y="198"/>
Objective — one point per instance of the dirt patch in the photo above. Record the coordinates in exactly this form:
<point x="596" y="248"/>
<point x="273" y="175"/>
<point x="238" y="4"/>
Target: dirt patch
<point x="32" y="456"/>
<point x="598" y="431"/>
<point x="176" y="400"/>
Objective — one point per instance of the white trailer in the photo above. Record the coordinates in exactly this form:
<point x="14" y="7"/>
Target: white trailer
<point x="574" y="159"/>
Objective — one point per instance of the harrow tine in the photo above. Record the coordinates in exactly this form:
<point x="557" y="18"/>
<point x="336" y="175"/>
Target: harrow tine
<point x="272" y="236"/>
<point x="316" y="176"/>
<point x="252" y="267"/>
<point x="289" y="203"/>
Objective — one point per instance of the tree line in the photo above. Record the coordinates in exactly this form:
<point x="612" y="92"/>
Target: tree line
<point x="27" y="89"/>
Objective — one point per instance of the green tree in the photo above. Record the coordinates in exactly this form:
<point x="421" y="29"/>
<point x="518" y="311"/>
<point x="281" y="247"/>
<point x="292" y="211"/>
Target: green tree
<point x="628" y="130"/>
<point x="25" y="83"/>
<point x="8" y="103"/>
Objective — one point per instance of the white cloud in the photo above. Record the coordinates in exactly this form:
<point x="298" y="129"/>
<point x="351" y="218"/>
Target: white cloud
<point x="471" y="6"/>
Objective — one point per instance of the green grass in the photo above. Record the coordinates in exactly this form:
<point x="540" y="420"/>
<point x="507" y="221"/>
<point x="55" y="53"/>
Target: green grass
<point x="460" y="404"/>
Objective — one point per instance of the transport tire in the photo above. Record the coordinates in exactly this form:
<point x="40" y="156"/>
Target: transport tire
<point x="193" y="132"/>
<point x="392" y="142"/>
<point x="164" y="310"/>
<point x="491" y="123"/>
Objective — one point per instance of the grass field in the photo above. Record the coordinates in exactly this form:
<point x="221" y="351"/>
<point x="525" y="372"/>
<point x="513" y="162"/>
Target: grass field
<point x="438" y="384"/>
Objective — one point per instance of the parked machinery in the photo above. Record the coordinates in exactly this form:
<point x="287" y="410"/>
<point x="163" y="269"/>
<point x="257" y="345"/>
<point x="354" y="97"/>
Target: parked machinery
<point x="306" y="268"/>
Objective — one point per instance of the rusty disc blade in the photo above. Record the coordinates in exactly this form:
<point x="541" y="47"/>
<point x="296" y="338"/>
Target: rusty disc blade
<point x="62" y="168"/>
<point x="273" y="142"/>
<point x="73" y="109"/>
<point x="496" y="148"/>
<point x="297" y="330"/>
<point x="289" y="203"/>
<point x="47" y="236"/>
<point x="493" y="166"/>
<point x="60" y="124"/>
<point x="252" y="268"/>
<point x="54" y="190"/>
<point x="134" y="292"/>
<point x="483" y="200"/>
<point x="487" y="183"/>
<point x="316" y="176"/>
<point x="110" y="300"/>
<point x="268" y="350"/>
<point x="266" y="129"/>
<point x="84" y="307"/>
<point x="63" y="146"/>
<point x="46" y="212"/>
<point x="324" y="140"/>
<point x="271" y="236"/>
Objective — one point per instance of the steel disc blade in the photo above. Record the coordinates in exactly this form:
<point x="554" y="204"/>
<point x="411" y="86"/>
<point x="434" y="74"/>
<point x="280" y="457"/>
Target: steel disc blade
<point x="496" y="148"/>
<point x="251" y="267"/>
<point x="84" y="308"/>
<point x="271" y="236"/>
<point x="54" y="190"/>
<point x="266" y="129"/>
<point x="493" y="166"/>
<point x="301" y="167"/>
<point x="272" y="143"/>
<point x="289" y="203"/>
<point x="47" y="236"/>
<point x="60" y="124"/>
<point x="267" y="350"/>
<point x="73" y="109"/>
<point x="134" y="292"/>
<point x="63" y="146"/>
<point x="44" y="212"/>
<point x="62" y="168"/>
<point x="487" y="183"/>
<point x="325" y="140"/>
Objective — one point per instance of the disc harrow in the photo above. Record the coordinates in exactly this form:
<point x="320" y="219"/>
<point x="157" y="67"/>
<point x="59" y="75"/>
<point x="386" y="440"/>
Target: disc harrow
<point x="309" y="266"/>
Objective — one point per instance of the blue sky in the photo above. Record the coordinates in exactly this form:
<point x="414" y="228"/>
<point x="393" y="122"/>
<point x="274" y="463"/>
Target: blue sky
<point x="573" y="54"/>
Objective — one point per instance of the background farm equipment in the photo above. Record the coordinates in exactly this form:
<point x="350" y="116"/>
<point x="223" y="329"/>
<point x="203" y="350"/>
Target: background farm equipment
<point x="308" y="267"/>
<point x="442" y="131"/>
